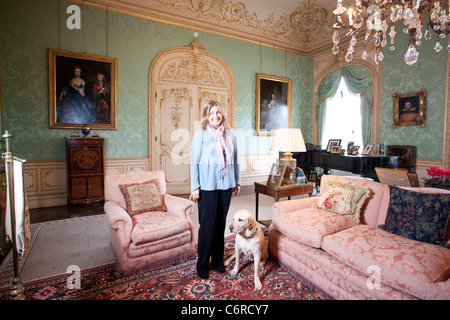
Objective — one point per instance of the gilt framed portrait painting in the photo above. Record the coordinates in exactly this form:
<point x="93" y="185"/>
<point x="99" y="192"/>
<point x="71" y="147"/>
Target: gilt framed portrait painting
<point x="273" y="104"/>
<point x="82" y="90"/>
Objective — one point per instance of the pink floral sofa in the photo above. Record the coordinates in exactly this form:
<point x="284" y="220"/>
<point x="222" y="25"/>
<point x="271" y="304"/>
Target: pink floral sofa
<point x="148" y="227"/>
<point x="352" y="257"/>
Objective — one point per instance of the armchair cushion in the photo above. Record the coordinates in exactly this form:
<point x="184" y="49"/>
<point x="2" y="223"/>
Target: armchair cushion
<point x="156" y="225"/>
<point x="142" y="197"/>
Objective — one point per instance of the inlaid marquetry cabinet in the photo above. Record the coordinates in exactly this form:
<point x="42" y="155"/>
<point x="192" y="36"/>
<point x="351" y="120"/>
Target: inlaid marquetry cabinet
<point x="85" y="163"/>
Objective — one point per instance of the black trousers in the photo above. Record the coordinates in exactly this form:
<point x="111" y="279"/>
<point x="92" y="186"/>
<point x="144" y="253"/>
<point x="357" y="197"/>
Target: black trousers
<point x="212" y="214"/>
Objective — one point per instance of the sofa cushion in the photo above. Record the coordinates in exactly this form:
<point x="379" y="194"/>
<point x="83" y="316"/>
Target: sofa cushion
<point x="343" y="198"/>
<point x="371" y="208"/>
<point x="156" y="225"/>
<point x="143" y="197"/>
<point x="404" y="264"/>
<point x="418" y="216"/>
<point x="309" y="226"/>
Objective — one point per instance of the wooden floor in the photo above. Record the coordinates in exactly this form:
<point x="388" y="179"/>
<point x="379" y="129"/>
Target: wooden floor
<point x="65" y="212"/>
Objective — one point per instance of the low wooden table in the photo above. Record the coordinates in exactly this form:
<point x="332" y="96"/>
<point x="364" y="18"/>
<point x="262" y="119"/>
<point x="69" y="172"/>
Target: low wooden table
<point x="280" y="192"/>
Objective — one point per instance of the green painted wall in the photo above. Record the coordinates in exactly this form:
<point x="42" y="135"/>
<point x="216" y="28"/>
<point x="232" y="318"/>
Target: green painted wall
<point x="29" y="28"/>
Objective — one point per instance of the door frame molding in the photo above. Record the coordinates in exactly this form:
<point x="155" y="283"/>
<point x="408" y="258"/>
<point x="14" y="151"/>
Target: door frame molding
<point x="197" y="52"/>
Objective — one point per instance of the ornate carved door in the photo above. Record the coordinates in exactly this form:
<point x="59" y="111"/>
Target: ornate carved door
<point x="182" y="79"/>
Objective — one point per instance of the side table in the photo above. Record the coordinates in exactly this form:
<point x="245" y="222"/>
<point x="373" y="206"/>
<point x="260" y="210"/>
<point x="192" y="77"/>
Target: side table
<point x="280" y="192"/>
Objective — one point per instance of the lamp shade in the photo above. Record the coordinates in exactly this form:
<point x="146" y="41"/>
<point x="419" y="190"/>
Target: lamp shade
<point x="288" y="140"/>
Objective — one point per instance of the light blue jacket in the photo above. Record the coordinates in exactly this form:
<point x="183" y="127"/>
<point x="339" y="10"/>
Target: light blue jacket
<point x="205" y="169"/>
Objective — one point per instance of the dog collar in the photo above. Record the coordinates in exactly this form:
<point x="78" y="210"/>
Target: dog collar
<point x="251" y="236"/>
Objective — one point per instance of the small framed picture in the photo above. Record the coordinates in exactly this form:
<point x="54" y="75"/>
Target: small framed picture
<point x="353" y="150"/>
<point x="336" y="149"/>
<point x="276" y="175"/>
<point x="301" y="178"/>
<point x="349" y="146"/>
<point x="367" y="149"/>
<point x="333" y="142"/>
<point x="381" y="149"/>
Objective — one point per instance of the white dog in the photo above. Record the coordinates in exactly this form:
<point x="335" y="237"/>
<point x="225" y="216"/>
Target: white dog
<point x="250" y="242"/>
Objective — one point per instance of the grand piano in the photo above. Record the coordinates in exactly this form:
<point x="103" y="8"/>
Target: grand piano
<point x="361" y="165"/>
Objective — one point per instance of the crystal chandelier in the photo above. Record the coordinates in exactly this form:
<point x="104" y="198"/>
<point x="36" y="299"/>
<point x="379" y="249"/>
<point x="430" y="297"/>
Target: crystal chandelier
<point x="374" y="17"/>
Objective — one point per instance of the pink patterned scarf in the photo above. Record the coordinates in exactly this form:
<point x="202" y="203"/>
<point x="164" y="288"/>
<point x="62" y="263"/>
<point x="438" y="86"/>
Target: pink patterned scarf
<point x="222" y="148"/>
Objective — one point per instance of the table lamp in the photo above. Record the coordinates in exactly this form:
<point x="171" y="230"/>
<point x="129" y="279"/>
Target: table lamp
<point x="288" y="140"/>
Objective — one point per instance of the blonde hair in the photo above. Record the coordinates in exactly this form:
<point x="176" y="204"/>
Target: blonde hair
<point x="206" y="110"/>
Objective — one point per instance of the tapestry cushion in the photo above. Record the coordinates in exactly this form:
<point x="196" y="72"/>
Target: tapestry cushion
<point x="404" y="264"/>
<point x="343" y="198"/>
<point x="309" y="226"/>
<point x="417" y="216"/>
<point x="143" y="197"/>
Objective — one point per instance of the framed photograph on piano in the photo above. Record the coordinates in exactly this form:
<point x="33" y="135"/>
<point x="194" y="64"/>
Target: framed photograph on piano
<point x="336" y="149"/>
<point x="332" y="143"/>
<point x="367" y="149"/>
<point x="353" y="151"/>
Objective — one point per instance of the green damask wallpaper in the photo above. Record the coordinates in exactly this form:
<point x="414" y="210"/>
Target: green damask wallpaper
<point x="29" y="27"/>
<point x="430" y="73"/>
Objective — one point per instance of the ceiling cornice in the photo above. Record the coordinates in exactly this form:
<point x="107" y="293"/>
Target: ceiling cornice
<point x="300" y="31"/>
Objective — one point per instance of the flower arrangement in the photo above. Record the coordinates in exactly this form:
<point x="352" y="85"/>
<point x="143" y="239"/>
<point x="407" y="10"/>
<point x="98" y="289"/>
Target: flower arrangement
<point x="437" y="178"/>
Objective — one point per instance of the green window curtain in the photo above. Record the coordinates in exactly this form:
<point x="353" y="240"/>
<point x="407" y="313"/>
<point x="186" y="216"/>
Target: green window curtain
<point x="358" y="80"/>
<point x="327" y="88"/>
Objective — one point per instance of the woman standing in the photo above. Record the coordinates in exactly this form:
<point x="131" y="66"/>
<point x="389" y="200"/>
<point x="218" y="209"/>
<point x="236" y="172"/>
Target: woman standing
<point x="215" y="176"/>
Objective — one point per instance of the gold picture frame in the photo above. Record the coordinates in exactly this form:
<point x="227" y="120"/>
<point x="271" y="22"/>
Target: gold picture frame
<point x="273" y="104"/>
<point x="410" y="109"/>
<point x="82" y="90"/>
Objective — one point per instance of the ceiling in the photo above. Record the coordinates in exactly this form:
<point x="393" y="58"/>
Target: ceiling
<point x="302" y="26"/>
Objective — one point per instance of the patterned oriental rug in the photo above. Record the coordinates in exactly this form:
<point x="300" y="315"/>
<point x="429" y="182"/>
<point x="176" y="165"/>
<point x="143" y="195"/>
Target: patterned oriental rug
<point x="176" y="282"/>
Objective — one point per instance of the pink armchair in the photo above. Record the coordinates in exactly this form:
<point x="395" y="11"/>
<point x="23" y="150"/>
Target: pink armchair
<point x="144" y="240"/>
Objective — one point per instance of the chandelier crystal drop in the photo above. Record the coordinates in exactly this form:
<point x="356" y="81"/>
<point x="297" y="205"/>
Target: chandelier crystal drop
<point x="374" y="17"/>
<point x="412" y="55"/>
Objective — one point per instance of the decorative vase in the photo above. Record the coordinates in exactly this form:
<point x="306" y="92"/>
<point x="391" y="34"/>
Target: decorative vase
<point x="85" y="129"/>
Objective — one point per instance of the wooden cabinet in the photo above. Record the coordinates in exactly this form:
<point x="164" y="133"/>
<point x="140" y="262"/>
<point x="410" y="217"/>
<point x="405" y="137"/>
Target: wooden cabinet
<point x="85" y="165"/>
<point x="406" y="156"/>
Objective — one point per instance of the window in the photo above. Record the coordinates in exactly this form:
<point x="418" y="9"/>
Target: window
<point x="343" y="117"/>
